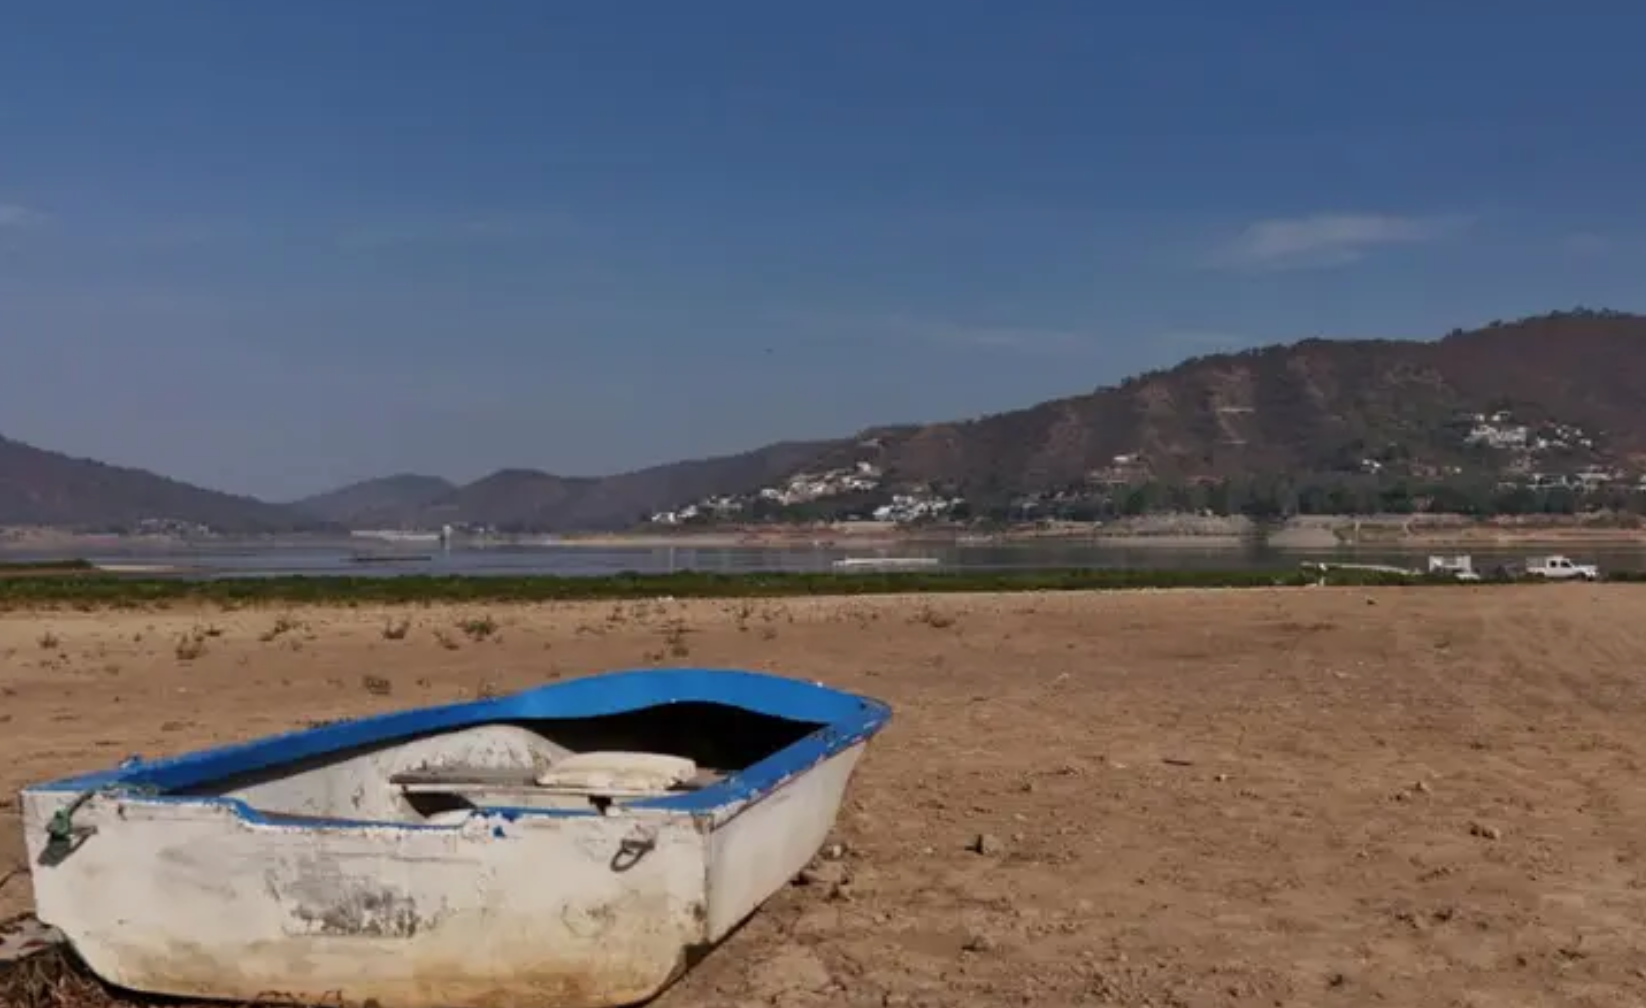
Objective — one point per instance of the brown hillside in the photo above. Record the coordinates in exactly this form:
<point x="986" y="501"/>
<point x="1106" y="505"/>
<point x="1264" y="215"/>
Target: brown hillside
<point x="1311" y="407"/>
<point x="1305" y="407"/>
<point x="39" y="487"/>
<point x="385" y="499"/>
<point x="528" y="499"/>
<point x="1587" y="368"/>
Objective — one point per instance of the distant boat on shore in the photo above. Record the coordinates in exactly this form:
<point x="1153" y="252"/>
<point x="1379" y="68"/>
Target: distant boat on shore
<point x="884" y="563"/>
<point x="140" y="568"/>
<point x="396" y="535"/>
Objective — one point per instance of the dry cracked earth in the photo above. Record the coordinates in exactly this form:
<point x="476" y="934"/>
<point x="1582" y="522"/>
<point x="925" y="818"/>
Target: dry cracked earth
<point x="1303" y="797"/>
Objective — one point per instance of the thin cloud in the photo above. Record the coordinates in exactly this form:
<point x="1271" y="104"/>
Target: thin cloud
<point x="1329" y="239"/>
<point x="15" y="215"/>
<point x="1027" y="340"/>
<point x="1586" y="243"/>
<point x="167" y="237"/>
<point x="434" y="232"/>
<point x="1203" y="341"/>
<point x="1007" y="339"/>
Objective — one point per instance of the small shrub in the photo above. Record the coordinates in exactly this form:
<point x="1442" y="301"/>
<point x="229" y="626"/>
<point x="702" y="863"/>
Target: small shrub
<point x="932" y="618"/>
<point x="674" y="640"/>
<point x="478" y="628"/>
<point x="190" y="647"/>
<point x="282" y="625"/>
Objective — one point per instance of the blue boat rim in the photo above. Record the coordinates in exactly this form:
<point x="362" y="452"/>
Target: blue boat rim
<point x="843" y="719"/>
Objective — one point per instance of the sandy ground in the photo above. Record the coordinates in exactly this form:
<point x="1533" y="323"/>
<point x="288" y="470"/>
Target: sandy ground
<point x="1305" y="797"/>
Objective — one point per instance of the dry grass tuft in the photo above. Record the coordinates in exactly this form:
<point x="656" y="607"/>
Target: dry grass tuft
<point x="478" y="628"/>
<point x="284" y="625"/>
<point x="56" y="978"/>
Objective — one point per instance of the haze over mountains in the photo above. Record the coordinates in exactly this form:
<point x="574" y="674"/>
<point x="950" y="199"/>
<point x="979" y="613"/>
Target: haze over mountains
<point x="39" y="487"/>
<point x="1313" y="406"/>
<point x="388" y="496"/>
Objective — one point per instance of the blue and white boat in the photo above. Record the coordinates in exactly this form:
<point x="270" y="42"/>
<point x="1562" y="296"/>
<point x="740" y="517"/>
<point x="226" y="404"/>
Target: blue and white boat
<point x="573" y="846"/>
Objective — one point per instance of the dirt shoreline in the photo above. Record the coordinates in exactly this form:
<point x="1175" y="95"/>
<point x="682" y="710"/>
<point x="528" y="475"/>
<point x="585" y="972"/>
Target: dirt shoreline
<point x="1296" y="797"/>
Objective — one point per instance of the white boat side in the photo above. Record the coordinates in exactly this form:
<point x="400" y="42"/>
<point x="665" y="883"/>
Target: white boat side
<point x="324" y="883"/>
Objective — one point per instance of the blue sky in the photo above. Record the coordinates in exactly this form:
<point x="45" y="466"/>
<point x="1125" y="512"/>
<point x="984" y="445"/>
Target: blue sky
<point x="273" y="247"/>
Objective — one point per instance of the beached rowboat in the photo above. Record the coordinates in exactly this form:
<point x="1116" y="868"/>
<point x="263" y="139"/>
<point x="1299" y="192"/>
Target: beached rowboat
<point x="579" y="844"/>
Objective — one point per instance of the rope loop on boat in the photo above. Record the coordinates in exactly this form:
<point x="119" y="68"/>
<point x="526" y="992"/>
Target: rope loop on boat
<point x="63" y="837"/>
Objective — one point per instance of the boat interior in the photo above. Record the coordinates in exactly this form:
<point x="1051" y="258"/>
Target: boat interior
<point x="587" y="763"/>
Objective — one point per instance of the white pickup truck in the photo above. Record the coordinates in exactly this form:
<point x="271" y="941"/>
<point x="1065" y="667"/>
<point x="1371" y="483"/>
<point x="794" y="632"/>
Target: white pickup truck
<point x="1560" y="568"/>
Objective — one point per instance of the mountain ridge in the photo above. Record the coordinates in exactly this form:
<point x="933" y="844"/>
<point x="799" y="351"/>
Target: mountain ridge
<point x="357" y="503"/>
<point x="1381" y="408"/>
<point x="45" y="488"/>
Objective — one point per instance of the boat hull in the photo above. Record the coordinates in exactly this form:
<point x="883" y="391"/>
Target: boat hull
<point x="292" y="868"/>
<point x="191" y="900"/>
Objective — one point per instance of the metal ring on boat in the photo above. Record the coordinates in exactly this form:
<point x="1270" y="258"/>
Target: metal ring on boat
<point x="630" y="850"/>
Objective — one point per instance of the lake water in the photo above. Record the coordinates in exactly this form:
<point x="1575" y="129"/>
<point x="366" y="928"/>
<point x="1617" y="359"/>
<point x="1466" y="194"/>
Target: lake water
<point x="329" y="560"/>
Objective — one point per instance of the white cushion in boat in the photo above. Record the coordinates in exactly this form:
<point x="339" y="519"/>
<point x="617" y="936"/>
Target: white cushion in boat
<point x="619" y="771"/>
<point x="450" y="817"/>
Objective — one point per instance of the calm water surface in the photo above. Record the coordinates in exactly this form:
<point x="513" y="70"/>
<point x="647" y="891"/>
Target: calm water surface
<point x="221" y="560"/>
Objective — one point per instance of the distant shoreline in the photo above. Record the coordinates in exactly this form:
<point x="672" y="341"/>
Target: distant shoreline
<point x="1300" y="534"/>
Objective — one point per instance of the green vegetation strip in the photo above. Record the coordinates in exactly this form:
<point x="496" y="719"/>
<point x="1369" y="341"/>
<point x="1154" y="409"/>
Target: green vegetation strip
<point x="44" y="566"/>
<point x="415" y="589"/>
